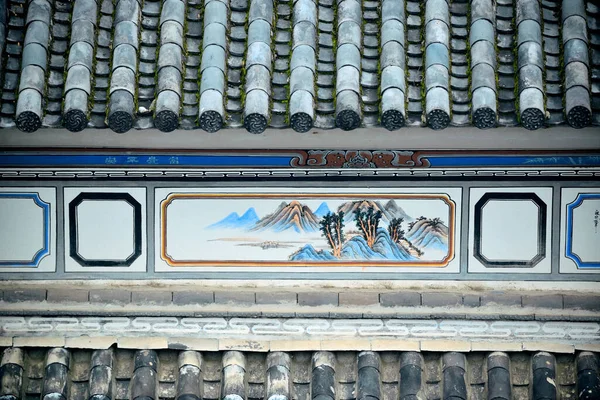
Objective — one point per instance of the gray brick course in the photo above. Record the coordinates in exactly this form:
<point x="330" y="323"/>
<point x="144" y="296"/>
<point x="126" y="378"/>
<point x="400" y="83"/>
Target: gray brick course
<point x="276" y="298"/>
<point x="13" y="296"/>
<point x="358" y="299"/>
<point x="407" y="299"/>
<point x="471" y="300"/>
<point x="151" y="297"/>
<point x="275" y="314"/>
<point x="243" y="298"/>
<point x="71" y="295"/>
<point x="312" y="314"/>
<point x="111" y="296"/>
<point x="193" y="297"/>
<point x="437" y="299"/>
<point x="543" y="301"/>
<point x="583" y="302"/>
<point x="318" y="299"/>
<point x="501" y="299"/>
<point x="346" y="315"/>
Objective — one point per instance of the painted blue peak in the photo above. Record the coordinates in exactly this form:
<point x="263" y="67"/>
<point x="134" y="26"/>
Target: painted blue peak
<point x="234" y="221"/>
<point x="309" y="253"/>
<point x="322" y="210"/>
<point x="249" y="216"/>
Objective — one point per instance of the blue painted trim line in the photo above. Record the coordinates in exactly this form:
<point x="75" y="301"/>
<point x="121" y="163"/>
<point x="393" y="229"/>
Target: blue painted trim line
<point x="45" y="250"/>
<point x="12" y="159"/>
<point x="569" y="245"/>
<point x="144" y="160"/>
<point x="514" y="161"/>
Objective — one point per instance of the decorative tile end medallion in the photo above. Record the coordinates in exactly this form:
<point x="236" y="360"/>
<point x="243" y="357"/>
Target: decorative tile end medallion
<point x="308" y="228"/>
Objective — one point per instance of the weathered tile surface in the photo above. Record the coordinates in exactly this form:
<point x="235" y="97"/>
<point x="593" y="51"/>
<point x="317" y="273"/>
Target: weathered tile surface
<point x="187" y="374"/>
<point x="209" y="65"/>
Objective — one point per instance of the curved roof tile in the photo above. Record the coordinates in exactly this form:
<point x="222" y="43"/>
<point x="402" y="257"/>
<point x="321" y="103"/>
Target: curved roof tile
<point x="214" y="64"/>
<point x="171" y="374"/>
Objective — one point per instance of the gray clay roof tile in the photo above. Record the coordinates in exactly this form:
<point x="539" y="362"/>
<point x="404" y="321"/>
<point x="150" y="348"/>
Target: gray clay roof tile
<point x="372" y="55"/>
<point x="214" y="12"/>
<point x="34" y="54"/>
<point x="172" y="32"/>
<point x="78" y="78"/>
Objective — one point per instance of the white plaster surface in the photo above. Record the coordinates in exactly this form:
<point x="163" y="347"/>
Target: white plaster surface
<point x="509" y="230"/>
<point x="105" y="229"/>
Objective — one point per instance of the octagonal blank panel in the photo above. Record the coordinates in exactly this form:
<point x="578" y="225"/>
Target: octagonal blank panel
<point x="105" y="228"/>
<point x="510" y="231"/>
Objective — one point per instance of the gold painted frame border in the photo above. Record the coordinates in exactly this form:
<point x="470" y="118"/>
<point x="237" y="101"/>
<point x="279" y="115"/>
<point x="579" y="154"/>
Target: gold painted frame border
<point x="234" y="263"/>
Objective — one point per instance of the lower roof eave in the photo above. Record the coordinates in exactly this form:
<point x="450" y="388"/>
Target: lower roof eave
<point x="457" y="138"/>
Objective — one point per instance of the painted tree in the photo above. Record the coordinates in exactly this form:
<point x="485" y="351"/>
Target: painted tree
<point x="367" y="223"/>
<point x="435" y="223"/>
<point x="395" y="229"/>
<point x="332" y="228"/>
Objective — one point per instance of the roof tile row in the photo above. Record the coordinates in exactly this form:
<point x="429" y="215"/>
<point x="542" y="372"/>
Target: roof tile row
<point x="211" y="64"/>
<point x="233" y="375"/>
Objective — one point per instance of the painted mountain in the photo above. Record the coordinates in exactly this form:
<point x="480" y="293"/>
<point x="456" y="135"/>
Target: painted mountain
<point x="358" y="249"/>
<point x="234" y="221"/>
<point x="322" y="210"/>
<point x="396" y="211"/>
<point x="429" y="234"/>
<point x="293" y="215"/>
<point x="390" y="211"/>
<point x="309" y="253"/>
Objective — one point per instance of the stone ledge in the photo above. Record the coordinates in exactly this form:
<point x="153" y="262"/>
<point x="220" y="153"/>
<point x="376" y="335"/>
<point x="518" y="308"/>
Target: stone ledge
<point x="292" y="345"/>
<point x="304" y="304"/>
<point x="510" y="313"/>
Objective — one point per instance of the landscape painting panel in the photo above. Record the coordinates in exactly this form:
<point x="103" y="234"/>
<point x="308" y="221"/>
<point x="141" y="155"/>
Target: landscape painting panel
<point x="401" y="229"/>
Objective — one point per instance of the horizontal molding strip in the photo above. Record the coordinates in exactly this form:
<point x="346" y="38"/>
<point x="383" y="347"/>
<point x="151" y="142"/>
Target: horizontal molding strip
<point x="302" y="328"/>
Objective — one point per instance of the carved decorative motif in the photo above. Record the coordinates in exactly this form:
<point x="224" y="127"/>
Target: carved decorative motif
<point x="484" y="118"/>
<point x="532" y="119"/>
<point x="255" y="123"/>
<point x="311" y="328"/>
<point x="392" y="120"/>
<point x="28" y="121"/>
<point x="438" y="119"/>
<point x="120" y="121"/>
<point x="211" y="121"/>
<point x="359" y="159"/>
<point x="347" y="120"/>
<point x="166" y="121"/>
<point x="301" y="122"/>
<point x="75" y="120"/>
<point x="579" y="117"/>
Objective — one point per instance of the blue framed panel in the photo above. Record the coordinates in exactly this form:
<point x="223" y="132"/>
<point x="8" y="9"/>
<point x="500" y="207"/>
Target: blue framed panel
<point x="569" y="252"/>
<point x="35" y="261"/>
